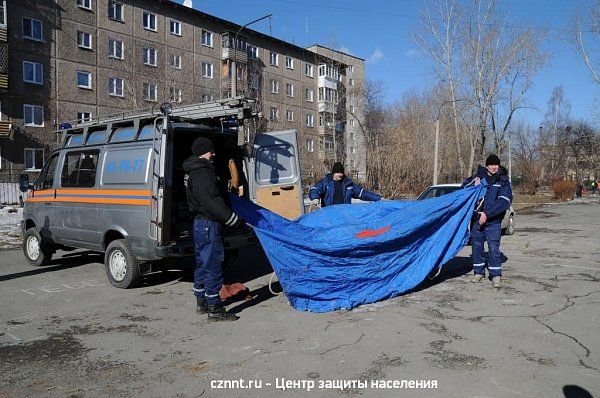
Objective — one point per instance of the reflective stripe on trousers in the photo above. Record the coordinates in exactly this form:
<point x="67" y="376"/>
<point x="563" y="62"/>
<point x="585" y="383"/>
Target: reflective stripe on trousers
<point x="490" y="233"/>
<point x="210" y="253"/>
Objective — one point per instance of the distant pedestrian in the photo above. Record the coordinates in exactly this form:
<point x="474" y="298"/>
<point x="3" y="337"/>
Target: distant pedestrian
<point x="594" y="187"/>
<point x="336" y="188"/>
<point x="487" y="227"/>
<point x="579" y="189"/>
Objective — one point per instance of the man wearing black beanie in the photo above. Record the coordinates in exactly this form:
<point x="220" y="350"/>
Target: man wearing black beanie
<point x="208" y="199"/>
<point x="335" y="188"/>
<point x="487" y="226"/>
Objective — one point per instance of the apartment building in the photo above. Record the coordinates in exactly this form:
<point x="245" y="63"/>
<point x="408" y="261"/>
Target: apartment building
<point x="75" y="60"/>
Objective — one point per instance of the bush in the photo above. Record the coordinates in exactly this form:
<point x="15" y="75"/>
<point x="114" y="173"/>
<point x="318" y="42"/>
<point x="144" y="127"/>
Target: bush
<point x="563" y="190"/>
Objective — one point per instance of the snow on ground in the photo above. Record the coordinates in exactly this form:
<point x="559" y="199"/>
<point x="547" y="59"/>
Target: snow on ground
<point x="10" y="229"/>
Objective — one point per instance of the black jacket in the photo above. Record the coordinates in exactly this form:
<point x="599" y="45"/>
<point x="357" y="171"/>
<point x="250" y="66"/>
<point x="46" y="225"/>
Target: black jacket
<point x="206" y="197"/>
<point x="498" y="196"/>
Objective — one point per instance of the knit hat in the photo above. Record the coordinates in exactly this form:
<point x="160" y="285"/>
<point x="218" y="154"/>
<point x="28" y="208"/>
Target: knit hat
<point x="202" y="145"/>
<point x="337" y="168"/>
<point x="492" y="160"/>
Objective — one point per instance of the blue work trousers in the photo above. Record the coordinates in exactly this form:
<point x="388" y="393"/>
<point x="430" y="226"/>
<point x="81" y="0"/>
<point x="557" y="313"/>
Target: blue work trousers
<point x="490" y="233"/>
<point x="210" y="253"/>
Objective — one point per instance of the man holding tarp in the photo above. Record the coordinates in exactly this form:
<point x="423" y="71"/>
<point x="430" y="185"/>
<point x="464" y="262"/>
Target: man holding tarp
<point x="487" y="226"/>
<point x="336" y="189"/>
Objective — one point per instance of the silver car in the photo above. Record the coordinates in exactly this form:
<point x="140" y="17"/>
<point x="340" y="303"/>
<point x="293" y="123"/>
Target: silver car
<point x="434" y="191"/>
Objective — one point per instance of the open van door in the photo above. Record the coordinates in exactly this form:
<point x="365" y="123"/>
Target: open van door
<point x="274" y="176"/>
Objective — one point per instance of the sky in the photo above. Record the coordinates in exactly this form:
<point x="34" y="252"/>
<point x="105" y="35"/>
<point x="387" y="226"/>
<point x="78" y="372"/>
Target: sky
<point x="379" y="31"/>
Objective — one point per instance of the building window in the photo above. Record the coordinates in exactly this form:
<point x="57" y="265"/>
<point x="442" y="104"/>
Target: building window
<point x="274" y="58"/>
<point x="309" y="95"/>
<point x="115" y="11"/>
<point x="2" y="21"/>
<point x="33" y="115"/>
<point x="87" y="4"/>
<point x="350" y="69"/>
<point x="149" y="21"/>
<point x="308" y="70"/>
<point x="150" y="92"/>
<point x="176" y="61"/>
<point x="310" y="145"/>
<point x="115" y="86"/>
<point x="289" y="62"/>
<point x="207" y="38"/>
<point x="33" y="72"/>
<point x="352" y="123"/>
<point x="309" y="120"/>
<point x="207" y="70"/>
<point x="175" y="27"/>
<point x="79" y="169"/>
<point x="253" y="52"/>
<point x="175" y="95"/>
<point x="115" y="49"/>
<point x="34" y="159"/>
<point x="290" y="115"/>
<point x="84" y="40"/>
<point x="289" y="90"/>
<point x="273" y="114"/>
<point x="83" y="117"/>
<point x="149" y="56"/>
<point x="351" y="82"/>
<point x="351" y="135"/>
<point x="352" y="150"/>
<point x="32" y="29"/>
<point x="274" y="86"/>
<point x="84" y="79"/>
<point x="206" y="97"/>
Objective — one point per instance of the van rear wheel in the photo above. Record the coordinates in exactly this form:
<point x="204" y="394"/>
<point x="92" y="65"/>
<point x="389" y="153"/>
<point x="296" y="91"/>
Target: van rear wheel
<point x="122" y="268"/>
<point x="36" y="251"/>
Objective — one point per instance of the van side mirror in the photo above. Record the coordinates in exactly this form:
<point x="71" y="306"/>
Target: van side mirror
<point x="24" y="183"/>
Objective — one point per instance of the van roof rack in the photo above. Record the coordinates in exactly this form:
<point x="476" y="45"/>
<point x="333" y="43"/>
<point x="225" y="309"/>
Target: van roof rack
<point x="239" y="107"/>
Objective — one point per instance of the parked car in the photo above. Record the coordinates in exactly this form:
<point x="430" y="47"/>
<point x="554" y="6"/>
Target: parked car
<point x="434" y="191"/>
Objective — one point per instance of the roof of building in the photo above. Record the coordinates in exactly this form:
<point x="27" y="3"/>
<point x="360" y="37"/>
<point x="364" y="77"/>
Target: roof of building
<point x="233" y="26"/>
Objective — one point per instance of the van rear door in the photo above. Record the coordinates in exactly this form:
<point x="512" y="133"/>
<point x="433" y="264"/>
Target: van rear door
<point x="274" y="176"/>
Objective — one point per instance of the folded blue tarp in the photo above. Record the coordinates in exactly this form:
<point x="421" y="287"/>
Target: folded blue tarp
<point x="346" y="255"/>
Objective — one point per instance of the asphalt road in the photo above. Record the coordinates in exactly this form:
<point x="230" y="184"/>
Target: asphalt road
<point x="66" y="332"/>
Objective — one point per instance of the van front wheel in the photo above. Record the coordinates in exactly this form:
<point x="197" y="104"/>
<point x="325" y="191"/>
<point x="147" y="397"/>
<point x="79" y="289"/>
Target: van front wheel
<point x="36" y="251"/>
<point x="122" y="268"/>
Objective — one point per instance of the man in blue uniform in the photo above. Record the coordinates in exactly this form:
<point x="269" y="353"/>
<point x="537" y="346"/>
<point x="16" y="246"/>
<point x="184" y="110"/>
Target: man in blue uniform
<point x="209" y="201"/>
<point x="335" y="188"/>
<point x="487" y="226"/>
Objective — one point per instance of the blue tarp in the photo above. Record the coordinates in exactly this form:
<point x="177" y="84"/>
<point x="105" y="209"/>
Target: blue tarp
<point x="346" y="255"/>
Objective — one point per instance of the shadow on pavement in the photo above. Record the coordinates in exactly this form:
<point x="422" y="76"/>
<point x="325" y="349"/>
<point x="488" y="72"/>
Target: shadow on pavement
<point x="69" y="260"/>
<point x="573" y="391"/>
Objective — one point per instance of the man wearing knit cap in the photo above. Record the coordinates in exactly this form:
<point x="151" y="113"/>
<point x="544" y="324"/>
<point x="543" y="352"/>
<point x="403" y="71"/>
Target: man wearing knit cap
<point x="487" y="226"/>
<point x="209" y="201"/>
<point x="335" y="188"/>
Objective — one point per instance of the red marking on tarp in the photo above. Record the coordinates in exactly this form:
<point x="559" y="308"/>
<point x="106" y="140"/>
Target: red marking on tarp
<point x="368" y="233"/>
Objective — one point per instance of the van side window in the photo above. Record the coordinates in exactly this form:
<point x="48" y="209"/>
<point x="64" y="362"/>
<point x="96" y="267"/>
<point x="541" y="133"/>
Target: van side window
<point x="46" y="178"/>
<point x="79" y="169"/>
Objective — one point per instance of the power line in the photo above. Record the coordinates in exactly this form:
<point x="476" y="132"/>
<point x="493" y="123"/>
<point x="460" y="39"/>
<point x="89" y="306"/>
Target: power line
<point x="414" y="17"/>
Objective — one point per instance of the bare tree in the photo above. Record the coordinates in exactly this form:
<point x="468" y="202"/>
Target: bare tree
<point x="586" y="37"/>
<point x="554" y="130"/>
<point x="499" y="64"/>
<point x="439" y="38"/>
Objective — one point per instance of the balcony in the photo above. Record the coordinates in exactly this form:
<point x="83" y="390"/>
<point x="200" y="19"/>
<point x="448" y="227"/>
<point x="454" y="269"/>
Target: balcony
<point x="229" y="53"/>
<point x="3" y="59"/>
<point x="329" y="82"/>
<point x="5" y="127"/>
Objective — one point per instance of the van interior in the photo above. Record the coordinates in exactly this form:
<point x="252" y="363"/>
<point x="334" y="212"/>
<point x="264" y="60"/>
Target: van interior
<point x="228" y="163"/>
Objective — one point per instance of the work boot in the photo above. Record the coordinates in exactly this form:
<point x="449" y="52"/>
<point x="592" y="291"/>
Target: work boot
<point x="217" y="313"/>
<point x="201" y="305"/>
<point x="477" y="278"/>
<point x="497" y="282"/>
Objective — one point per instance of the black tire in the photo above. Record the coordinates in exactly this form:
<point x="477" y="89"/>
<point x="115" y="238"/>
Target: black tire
<point x="37" y="251"/>
<point x="122" y="268"/>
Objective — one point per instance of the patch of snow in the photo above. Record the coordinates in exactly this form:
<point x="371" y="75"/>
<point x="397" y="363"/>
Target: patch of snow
<point x="10" y="227"/>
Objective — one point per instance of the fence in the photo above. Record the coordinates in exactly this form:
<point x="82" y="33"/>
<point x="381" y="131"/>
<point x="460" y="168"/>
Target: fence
<point x="9" y="189"/>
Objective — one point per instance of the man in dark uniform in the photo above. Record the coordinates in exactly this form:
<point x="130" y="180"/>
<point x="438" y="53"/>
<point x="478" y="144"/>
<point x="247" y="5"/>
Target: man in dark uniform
<point x="208" y="199"/>
<point x="487" y="226"/>
<point x="335" y="188"/>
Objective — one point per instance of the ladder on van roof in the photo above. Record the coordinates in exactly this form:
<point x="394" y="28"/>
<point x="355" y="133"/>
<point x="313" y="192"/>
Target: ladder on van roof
<point x="239" y="108"/>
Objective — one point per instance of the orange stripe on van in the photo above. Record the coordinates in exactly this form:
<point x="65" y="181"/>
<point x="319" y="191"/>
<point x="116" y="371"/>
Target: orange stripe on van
<point x="123" y="192"/>
<point x="115" y="201"/>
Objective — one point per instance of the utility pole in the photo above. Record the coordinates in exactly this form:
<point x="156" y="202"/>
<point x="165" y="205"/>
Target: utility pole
<point x="437" y="140"/>
<point x="234" y="63"/>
